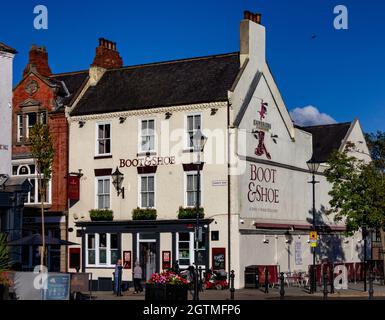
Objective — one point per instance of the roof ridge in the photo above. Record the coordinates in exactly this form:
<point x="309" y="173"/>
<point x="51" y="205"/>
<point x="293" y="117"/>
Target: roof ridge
<point x="68" y="73"/>
<point x="327" y="125"/>
<point x="176" y="61"/>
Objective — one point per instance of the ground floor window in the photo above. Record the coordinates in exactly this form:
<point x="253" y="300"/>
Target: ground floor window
<point x="102" y="249"/>
<point x="185" y="249"/>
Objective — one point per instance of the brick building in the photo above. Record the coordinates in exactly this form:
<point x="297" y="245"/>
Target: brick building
<point x="41" y="96"/>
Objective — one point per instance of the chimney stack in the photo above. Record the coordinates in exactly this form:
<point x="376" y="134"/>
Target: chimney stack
<point x="253" y="39"/>
<point x="38" y="62"/>
<point x="106" y="55"/>
<point x="255" y="17"/>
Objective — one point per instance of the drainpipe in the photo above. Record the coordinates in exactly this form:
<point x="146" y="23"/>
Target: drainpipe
<point x="228" y="192"/>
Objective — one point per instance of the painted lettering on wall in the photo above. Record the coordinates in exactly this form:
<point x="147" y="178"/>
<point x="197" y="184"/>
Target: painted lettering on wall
<point x="261" y="185"/>
<point x="146" y="162"/>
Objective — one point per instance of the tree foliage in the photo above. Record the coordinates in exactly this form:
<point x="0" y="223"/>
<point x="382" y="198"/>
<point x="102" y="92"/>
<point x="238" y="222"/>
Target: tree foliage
<point x="42" y="151"/>
<point x="4" y="253"/>
<point x="358" y="191"/>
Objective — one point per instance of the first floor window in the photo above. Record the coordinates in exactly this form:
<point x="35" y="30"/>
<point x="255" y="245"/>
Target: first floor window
<point x="102" y="249"/>
<point x="103" y="193"/>
<point x="28" y="170"/>
<point x="147" y="191"/>
<point x="191" y="189"/>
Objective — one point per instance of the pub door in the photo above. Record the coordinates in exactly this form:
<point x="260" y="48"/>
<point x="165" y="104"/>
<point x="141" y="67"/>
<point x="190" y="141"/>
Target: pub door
<point x="147" y="258"/>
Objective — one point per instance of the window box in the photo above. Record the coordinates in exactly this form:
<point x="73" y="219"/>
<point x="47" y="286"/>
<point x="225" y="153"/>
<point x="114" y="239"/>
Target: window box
<point x="190" y="213"/>
<point x="144" y="214"/>
<point x="101" y="215"/>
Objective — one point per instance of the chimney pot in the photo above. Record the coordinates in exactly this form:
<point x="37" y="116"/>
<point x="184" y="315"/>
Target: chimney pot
<point x="255" y="17"/>
<point x="106" y="55"/>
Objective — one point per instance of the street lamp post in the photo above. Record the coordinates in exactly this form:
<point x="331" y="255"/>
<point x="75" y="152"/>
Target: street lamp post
<point x="198" y="141"/>
<point x="313" y="167"/>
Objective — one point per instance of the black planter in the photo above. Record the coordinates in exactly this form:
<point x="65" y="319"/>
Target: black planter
<point x="4" y="292"/>
<point x="166" y="292"/>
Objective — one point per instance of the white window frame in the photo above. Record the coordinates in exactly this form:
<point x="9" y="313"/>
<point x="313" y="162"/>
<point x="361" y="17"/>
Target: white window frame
<point x="186" y="173"/>
<point x="97" y="138"/>
<point x="140" y="190"/>
<point x="27" y="122"/>
<point x="96" y="190"/>
<point x="191" y="249"/>
<point x="108" y="263"/>
<point x="20" y="136"/>
<point x="187" y="137"/>
<point x="138" y="241"/>
<point x="140" y="150"/>
<point x="33" y="176"/>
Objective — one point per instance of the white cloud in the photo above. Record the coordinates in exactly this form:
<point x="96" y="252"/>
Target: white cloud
<point x="310" y="116"/>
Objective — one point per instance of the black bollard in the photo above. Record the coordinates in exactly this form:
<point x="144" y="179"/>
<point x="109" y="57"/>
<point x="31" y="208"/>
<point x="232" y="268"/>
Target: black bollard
<point x="257" y="278"/>
<point x="232" y="276"/>
<point x="282" y="284"/>
<point x="325" y="283"/>
<point x="266" y="280"/>
<point x="371" y="291"/>
<point x="332" y="279"/>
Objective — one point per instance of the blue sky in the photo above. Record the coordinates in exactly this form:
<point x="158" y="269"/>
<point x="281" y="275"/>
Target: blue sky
<point x="340" y="72"/>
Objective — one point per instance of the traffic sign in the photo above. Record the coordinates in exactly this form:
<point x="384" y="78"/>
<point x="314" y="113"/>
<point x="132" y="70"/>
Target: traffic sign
<point x="313" y="243"/>
<point x="313" y="235"/>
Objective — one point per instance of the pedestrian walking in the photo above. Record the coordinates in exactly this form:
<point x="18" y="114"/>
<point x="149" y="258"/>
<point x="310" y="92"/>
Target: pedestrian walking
<point x="118" y="277"/>
<point x="137" y="278"/>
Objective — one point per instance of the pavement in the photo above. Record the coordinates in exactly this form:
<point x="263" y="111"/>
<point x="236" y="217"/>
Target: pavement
<point x="354" y="291"/>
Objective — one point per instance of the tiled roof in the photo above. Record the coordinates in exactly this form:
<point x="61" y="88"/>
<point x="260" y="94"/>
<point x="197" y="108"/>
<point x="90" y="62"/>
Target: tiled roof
<point x="327" y="138"/>
<point x="188" y="81"/>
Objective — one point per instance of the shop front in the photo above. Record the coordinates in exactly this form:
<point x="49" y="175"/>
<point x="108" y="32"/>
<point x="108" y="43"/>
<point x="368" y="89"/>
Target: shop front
<point x="154" y="245"/>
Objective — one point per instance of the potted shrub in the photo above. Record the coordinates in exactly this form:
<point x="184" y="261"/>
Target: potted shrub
<point x="5" y="281"/>
<point x="190" y="213"/>
<point x="101" y="215"/>
<point x="166" y="286"/>
<point x="144" y="214"/>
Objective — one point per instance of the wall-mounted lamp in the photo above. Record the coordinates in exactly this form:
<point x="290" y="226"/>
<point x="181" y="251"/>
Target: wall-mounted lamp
<point x="122" y="119"/>
<point x="168" y="115"/>
<point x="81" y="124"/>
<point x="213" y="111"/>
<point x="117" y="180"/>
<point x="242" y="221"/>
<point x="274" y="137"/>
<point x="265" y="240"/>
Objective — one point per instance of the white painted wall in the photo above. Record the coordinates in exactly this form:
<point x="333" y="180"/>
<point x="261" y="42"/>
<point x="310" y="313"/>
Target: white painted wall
<point x="6" y="64"/>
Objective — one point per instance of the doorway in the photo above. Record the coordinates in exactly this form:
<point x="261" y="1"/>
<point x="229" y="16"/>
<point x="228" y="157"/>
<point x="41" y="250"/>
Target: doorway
<point x="147" y="254"/>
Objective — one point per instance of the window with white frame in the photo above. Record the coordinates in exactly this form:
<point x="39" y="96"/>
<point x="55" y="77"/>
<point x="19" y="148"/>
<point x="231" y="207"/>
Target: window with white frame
<point x="20" y="129"/>
<point x="193" y="124"/>
<point x="147" y="191"/>
<point x="103" y="192"/>
<point x="102" y="249"/>
<point x="28" y="170"/>
<point x="185" y="249"/>
<point x="103" y="141"/>
<point x="147" y="135"/>
<point x="31" y="119"/>
<point x="192" y="188"/>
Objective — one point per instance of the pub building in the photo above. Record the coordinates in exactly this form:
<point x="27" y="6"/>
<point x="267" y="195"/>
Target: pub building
<point x="130" y="150"/>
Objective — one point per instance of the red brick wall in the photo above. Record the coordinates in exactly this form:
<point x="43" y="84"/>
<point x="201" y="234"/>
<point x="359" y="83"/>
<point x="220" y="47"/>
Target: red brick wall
<point x="59" y="130"/>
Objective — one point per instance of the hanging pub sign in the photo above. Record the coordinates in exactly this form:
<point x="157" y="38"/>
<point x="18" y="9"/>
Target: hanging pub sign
<point x="126" y="259"/>
<point x="218" y="258"/>
<point x="73" y="188"/>
<point x="166" y="260"/>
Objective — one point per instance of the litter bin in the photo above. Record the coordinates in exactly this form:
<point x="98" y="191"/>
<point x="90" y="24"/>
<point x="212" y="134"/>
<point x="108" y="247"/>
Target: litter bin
<point x="252" y="277"/>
